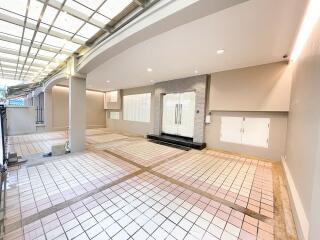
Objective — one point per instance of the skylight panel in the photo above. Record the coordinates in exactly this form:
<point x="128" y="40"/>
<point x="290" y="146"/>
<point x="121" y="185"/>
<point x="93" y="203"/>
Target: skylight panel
<point x="8" y="56"/>
<point x="71" y="46"/>
<point x="78" y="7"/>
<point x="9" y="45"/>
<point x="101" y="19"/>
<point x="39" y="37"/>
<point x="17" y="6"/>
<point x="46" y="53"/>
<point x="112" y="8"/>
<point x="11" y="14"/>
<point x="67" y="22"/>
<point x="49" y="15"/>
<point x="10" y="28"/>
<point x="79" y="38"/>
<point x="24" y="48"/>
<point x="93" y="4"/>
<point x="88" y="30"/>
<point x="35" y="9"/>
<point x="52" y="65"/>
<point x="62" y="32"/>
<point x="29" y="60"/>
<point x="61" y="57"/>
<point x="54" y="41"/>
<point x="4" y="63"/>
<point x="40" y="62"/>
<point x="28" y="33"/>
<point x="33" y="50"/>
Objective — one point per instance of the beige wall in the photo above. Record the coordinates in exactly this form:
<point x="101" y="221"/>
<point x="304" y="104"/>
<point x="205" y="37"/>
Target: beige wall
<point x="277" y="136"/>
<point x="60" y="104"/>
<point x="259" y="91"/>
<point x="137" y="128"/>
<point x="260" y="88"/>
<point x="303" y="145"/>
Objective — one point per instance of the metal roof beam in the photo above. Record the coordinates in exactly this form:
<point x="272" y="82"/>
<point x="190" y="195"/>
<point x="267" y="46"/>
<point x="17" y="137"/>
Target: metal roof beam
<point x="34" y="45"/>
<point x="74" y="13"/>
<point x="23" y="54"/>
<point x="44" y="30"/>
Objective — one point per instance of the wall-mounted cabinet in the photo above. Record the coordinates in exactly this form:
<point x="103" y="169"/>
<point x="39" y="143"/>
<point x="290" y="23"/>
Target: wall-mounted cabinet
<point x="112" y="100"/>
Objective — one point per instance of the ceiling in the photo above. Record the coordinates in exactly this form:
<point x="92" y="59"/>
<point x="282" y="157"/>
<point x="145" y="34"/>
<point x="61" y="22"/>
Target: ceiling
<point x="251" y="33"/>
<point x="37" y="36"/>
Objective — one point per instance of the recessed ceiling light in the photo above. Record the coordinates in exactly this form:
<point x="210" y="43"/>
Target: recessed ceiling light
<point x="151" y="80"/>
<point x="149" y="69"/>
<point x="196" y="71"/>
<point x="220" y="51"/>
<point x="108" y="81"/>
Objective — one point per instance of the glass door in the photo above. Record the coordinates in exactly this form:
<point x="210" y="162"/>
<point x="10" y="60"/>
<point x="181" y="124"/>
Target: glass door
<point x="186" y="112"/>
<point x="170" y="113"/>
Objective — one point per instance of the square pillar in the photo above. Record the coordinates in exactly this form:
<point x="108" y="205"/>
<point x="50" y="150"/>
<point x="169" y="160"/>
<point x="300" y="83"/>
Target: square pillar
<point x="77" y="113"/>
<point x="48" y="110"/>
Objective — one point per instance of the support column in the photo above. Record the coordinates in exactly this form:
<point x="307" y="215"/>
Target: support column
<point x="48" y="109"/>
<point x="77" y="113"/>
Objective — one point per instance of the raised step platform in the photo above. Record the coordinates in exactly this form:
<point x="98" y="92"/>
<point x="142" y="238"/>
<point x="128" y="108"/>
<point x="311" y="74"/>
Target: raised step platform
<point x="176" y="140"/>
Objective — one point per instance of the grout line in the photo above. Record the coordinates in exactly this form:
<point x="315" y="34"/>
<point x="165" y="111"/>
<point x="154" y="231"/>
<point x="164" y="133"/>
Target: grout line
<point x="203" y="193"/>
<point x="46" y="212"/>
<point x="217" y="199"/>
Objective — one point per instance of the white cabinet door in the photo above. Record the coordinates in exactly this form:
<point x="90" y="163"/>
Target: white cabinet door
<point x="186" y="112"/>
<point x="256" y="132"/>
<point x="231" y="129"/>
<point x="170" y="114"/>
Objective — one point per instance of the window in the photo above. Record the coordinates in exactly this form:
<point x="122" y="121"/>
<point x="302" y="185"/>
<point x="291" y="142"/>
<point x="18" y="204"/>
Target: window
<point x="114" y="96"/>
<point x="246" y="131"/>
<point x="114" y="115"/>
<point x="137" y="107"/>
<point x="16" y="102"/>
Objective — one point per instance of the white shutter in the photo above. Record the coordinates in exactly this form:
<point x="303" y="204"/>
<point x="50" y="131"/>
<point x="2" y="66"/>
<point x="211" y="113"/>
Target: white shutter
<point x="137" y="107"/>
<point x="256" y="132"/>
<point x="231" y="129"/>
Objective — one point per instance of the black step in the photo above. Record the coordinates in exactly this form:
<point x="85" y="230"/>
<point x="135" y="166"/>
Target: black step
<point x="182" y="141"/>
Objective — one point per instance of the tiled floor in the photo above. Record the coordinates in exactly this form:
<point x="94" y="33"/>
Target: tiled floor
<point x="46" y="185"/>
<point x="39" y="143"/>
<point x="34" y="147"/>
<point x="134" y="189"/>
<point x="245" y="182"/>
<point x="143" y="152"/>
<point x="92" y="139"/>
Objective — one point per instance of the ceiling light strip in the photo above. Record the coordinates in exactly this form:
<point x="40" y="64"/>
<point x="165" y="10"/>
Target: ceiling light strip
<point x="310" y="19"/>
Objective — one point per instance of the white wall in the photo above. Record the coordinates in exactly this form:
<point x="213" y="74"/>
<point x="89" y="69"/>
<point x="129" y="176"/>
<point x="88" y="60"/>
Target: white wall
<point x="303" y="145"/>
<point x="259" y="88"/>
<point x="21" y="120"/>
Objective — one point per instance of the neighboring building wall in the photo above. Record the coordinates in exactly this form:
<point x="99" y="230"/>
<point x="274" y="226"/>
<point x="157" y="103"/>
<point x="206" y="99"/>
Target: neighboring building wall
<point x="259" y="91"/>
<point x="26" y="121"/>
<point x="137" y="128"/>
<point x="302" y="164"/>
<point x="60" y="108"/>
